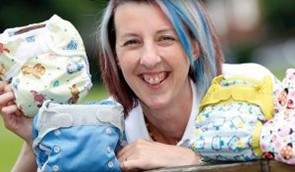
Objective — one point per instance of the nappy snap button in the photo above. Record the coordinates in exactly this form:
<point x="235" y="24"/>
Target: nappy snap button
<point x="110" y="164"/>
<point x="109" y="131"/>
<point x="55" y="168"/>
<point x="56" y="149"/>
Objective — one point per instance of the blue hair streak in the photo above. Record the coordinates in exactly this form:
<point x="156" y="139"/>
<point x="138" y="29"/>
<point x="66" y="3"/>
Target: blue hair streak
<point x="188" y="15"/>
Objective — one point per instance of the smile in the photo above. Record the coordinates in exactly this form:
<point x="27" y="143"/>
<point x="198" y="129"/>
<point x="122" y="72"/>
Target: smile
<point x="155" y="78"/>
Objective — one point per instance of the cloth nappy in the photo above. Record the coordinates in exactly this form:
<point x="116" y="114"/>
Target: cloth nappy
<point x="80" y="138"/>
<point x="277" y="139"/>
<point x="231" y="116"/>
<point x="44" y="61"/>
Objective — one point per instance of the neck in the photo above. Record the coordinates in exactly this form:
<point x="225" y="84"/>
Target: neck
<point x="168" y="124"/>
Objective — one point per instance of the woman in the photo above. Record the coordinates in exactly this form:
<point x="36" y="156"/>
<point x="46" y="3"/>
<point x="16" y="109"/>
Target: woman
<point x="150" y="56"/>
<point x="157" y="59"/>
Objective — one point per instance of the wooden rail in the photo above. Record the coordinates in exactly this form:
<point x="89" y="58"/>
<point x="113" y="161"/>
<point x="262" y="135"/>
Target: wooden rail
<point x="253" y="166"/>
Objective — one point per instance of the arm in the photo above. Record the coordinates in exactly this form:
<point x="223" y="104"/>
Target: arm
<point x="144" y="155"/>
<point x="25" y="161"/>
<point x="18" y="124"/>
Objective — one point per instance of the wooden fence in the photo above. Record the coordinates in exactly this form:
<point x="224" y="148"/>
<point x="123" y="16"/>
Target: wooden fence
<point x="254" y="166"/>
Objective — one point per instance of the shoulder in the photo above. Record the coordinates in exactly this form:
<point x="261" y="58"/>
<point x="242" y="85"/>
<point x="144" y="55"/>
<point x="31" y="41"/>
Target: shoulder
<point x="251" y="70"/>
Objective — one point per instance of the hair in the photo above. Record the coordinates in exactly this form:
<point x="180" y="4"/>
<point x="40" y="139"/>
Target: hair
<point x="190" y="21"/>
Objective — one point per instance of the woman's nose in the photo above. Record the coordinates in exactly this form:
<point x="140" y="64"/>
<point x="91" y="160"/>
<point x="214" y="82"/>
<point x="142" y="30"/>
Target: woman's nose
<point x="150" y="56"/>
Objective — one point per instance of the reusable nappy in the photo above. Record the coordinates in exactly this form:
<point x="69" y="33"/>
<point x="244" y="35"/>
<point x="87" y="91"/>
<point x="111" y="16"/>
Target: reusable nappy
<point x="44" y="61"/>
<point x="231" y="117"/>
<point x="242" y="120"/>
<point x="80" y="138"/>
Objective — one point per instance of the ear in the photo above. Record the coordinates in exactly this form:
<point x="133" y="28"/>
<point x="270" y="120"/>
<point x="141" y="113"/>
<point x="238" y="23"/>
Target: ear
<point x="196" y="50"/>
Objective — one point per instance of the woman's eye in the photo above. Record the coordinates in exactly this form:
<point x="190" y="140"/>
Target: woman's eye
<point x="132" y="42"/>
<point x="166" y="40"/>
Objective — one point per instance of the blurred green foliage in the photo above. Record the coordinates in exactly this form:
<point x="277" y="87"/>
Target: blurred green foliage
<point x="279" y="17"/>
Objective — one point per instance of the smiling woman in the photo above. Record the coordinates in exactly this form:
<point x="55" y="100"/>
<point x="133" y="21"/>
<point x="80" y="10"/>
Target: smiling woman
<point x="157" y="58"/>
<point x="150" y="56"/>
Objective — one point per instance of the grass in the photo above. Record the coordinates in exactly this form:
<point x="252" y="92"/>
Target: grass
<point x="10" y="144"/>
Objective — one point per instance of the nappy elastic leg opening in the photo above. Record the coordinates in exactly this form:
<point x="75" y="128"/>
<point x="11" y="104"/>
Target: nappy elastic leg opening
<point x="256" y="139"/>
<point x="27" y="29"/>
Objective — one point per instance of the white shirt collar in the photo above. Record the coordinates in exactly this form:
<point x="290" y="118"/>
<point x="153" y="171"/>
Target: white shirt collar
<point x="135" y="127"/>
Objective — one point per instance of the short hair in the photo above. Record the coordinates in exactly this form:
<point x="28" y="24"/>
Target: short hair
<point x="190" y="20"/>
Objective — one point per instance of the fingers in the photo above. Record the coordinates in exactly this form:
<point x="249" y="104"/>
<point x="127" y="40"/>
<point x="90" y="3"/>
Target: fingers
<point x="7" y="88"/>
<point x="125" y="156"/>
<point x="7" y="104"/>
<point x="123" y="153"/>
<point x="137" y="144"/>
<point x="5" y="98"/>
<point x="10" y="109"/>
<point x="2" y="85"/>
<point x="132" y="148"/>
<point x="133" y="156"/>
<point x="130" y="165"/>
<point x="6" y="94"/>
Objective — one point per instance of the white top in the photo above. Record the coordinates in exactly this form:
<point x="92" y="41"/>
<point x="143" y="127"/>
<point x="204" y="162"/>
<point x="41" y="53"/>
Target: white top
<point x="135" y="127"/>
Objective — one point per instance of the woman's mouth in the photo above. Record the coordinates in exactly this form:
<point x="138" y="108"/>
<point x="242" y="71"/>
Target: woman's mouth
<point x="154" y="78"/>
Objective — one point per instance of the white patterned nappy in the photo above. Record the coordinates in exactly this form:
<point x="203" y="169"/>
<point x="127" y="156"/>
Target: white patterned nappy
<point x="44" y="61"/>
<point x="231" y="117"/>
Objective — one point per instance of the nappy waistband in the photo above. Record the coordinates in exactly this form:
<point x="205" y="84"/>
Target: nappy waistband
<point x="259" y="93"/>
<point x="59" y="35"/>
<point x="53" y="115"/>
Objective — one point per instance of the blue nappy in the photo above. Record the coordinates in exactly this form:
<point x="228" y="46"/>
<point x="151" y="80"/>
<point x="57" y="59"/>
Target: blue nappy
<point x="80" y="138"/>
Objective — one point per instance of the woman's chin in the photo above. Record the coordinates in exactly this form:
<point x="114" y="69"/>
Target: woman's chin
<point x="156" y="104"/>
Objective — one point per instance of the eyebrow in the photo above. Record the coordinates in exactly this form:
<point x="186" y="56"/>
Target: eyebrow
<point x="158" y="32"/>
<point x="165" y="30"/>
<point x="129" y="35"/>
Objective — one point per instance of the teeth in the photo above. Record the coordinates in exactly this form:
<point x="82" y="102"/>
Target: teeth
<point x="154" y="78"/>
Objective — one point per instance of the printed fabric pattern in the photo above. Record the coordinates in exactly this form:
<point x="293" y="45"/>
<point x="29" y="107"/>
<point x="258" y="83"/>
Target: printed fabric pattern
<point x="44" y="61"/>
<point x="278" y="134"/>
<point x="230" y="119"/>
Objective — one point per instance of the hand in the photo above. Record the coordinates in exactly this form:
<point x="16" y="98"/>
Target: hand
<point x="144" y="155"/>
<point x="13" y="118"/>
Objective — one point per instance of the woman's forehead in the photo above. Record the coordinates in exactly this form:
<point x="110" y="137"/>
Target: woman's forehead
<point x="136" y="15"/>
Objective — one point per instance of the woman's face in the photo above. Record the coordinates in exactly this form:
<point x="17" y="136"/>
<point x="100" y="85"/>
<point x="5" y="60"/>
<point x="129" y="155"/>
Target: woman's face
<point x="150" y="55"/>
